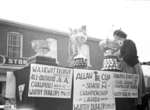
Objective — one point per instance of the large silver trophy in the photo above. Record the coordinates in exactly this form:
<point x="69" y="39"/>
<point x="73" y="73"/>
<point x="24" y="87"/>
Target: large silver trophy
<point x="111" y="55"/>
<point x="43" y="54"/>
<point x="41" y="47"/>
<point x="78" y="38"/>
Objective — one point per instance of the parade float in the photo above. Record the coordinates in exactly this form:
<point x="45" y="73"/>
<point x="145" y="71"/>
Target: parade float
<point x="45" y="85"/>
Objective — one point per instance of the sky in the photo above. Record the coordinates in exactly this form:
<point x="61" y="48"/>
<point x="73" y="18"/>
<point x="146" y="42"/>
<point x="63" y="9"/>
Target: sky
<point x="101" y="17"/>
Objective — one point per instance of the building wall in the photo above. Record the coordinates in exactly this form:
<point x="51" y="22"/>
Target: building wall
<point x="3" y="39"/>
<point x="96" y="55"/>
<point x="33" y="33"/>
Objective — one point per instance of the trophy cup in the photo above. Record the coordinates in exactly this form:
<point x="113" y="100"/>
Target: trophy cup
<point x="42" y="56"/>
<point x="111" y="59"/>
<point x="78" y="38"/>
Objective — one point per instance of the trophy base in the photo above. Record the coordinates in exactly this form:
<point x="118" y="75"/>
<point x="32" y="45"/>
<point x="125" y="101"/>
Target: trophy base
<point x="80" y="62"/>
<point x="42" y="60"/>
<point x="111" y="63"/>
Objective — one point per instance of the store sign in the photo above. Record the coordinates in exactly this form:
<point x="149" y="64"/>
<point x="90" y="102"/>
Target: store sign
<point x="12" y="61"/>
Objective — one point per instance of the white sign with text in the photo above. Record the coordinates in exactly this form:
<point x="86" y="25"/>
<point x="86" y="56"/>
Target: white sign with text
<point x="125" y="85"/>
<point x="93" y="90"/>
<point x="50" y="81"/>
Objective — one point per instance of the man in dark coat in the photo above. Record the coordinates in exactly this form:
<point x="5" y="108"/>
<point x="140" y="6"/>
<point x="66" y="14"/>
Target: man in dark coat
<point x="130" y="62"/>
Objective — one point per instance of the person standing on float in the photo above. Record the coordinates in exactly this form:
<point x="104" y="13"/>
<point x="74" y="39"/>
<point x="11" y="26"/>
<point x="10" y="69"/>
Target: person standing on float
<point x="129" y="61"/>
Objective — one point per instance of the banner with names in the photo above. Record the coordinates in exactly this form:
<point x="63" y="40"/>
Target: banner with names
<point x="93" y="90"/>
<point x="50" y="81"/>
<point x="125" y="85"/>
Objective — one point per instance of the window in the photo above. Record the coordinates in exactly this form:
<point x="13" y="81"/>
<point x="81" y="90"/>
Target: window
<point x="53" y="48"/>
<point x="14" y="44"/>
<point x="86" y="52"/>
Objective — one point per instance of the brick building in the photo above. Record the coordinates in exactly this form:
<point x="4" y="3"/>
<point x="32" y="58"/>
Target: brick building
<point x="15" y="48"/>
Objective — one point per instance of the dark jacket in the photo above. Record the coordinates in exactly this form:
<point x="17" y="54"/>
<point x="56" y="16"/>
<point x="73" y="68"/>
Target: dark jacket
<point x="128" y="52"/>
<point x="130" y="64"/>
